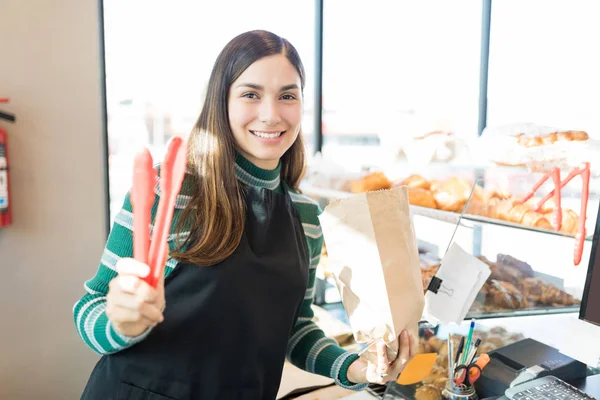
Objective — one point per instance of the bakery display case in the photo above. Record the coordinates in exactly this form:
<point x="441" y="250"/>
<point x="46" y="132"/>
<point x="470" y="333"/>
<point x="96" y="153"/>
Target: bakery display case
<point x="536" y="251"/>
<point x="537" y="147"/>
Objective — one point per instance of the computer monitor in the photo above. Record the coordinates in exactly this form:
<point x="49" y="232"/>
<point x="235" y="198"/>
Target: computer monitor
<point x="590" y="302"/>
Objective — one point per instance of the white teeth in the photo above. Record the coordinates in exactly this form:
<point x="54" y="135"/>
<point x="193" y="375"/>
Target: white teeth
<point x="266" y="135"/>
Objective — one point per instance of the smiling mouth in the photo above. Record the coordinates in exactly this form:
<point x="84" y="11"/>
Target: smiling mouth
<point x="267" y="135"/>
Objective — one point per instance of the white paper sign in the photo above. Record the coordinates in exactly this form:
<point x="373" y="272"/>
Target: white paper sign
<point x="462" y="277"/>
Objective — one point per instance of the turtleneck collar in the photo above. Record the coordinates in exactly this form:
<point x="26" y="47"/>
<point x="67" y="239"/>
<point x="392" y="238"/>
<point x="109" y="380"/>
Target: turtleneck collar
<point x="247" y="173"/>
<point x="252" y="175"/>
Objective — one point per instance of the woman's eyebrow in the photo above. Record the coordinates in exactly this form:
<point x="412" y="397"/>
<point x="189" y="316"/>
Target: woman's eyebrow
<point x="251" y="86"/>
<point x="260" y="87"/>
<point x="289" y="87"/>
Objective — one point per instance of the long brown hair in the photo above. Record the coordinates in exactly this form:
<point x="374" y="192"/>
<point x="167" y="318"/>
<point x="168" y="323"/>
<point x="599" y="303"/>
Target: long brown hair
<point x="216" y="212"/>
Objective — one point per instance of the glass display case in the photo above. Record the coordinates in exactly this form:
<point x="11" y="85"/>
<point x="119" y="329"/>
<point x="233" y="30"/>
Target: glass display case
<point x="533" y="265"/>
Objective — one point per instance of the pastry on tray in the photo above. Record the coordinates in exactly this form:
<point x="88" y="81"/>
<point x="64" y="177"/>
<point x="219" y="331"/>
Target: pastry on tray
<point x="536" y="147"/>
<point x="421" y="197"/>
<point x="512" y="285"/>
<point x="551" y="138"/>
<point x="542" y="293"/>
<point x="370" y="182"/>
<point x="452" y="195"/>
<point x="415" y="181"/>
<point x="505" y="295"/>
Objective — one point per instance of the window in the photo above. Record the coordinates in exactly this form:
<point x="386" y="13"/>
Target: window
<point x="159" y="56"/>
<point x="543" y="66"/>
<point x="393" y="70"/>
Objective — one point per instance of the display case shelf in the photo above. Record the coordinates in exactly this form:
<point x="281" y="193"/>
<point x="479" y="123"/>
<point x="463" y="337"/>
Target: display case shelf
<point x="440" y="215"/>
<point x="533" y="271"/>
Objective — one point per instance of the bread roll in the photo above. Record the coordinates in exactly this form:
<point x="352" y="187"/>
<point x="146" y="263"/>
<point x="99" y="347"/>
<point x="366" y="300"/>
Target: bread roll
<point x="373" y="181"/>
<point x="573" y="135"/>
<point x="421" y="197"/>
<point x="415" y="181"/>
<point x="434" y="185"/>
<point x="452" y="194"/>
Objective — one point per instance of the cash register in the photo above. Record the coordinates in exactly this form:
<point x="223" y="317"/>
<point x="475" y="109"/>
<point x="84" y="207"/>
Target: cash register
<point x="531" y="370"/>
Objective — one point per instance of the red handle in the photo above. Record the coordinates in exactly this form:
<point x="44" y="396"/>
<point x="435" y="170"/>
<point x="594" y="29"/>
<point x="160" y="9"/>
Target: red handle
<point x="585" y="192"/>
<point x="171" y="176"/>
<point x="142" y="198"/>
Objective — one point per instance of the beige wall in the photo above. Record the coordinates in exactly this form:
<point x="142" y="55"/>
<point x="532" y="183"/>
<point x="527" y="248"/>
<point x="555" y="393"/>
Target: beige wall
<point x="50" y="68"/>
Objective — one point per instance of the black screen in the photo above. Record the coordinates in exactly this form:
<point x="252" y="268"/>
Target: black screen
<point x="590" y="304"/>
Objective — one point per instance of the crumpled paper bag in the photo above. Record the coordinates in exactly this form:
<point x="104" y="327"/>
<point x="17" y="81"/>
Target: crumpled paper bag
<point x="374" y="259"/>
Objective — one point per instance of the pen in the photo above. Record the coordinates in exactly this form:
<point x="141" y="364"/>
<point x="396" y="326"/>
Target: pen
<point x="450" y="366"/>
<point x="460" y="349"/>
<point x="473" y="351"/>
<point x="468" y="342"/>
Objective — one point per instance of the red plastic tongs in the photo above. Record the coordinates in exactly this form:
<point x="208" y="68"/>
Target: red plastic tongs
<point x="154" y="252"/>
<point x="584" y="171"/>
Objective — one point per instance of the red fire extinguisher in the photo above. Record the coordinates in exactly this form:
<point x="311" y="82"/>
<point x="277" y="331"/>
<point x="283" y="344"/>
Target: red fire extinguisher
<point x="5" y="202"/>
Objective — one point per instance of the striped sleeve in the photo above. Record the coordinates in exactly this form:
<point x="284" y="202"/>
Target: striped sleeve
<point x="308" y="347"/>
<point x="89" y="312"/>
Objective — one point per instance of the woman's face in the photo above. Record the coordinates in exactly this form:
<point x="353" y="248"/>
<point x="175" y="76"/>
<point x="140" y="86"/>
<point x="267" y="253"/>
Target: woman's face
<point x="265" y="110"/>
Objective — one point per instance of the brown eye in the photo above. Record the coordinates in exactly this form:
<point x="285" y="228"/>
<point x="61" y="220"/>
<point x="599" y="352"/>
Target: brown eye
<point x="250" y="95"/>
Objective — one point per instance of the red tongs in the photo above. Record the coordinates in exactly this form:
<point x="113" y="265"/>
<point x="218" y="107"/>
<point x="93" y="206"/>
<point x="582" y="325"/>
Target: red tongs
<point x="584" y="171"/>
<point x="154" y="252"/>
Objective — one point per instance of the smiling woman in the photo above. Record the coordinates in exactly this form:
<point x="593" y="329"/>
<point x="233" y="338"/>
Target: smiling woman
<point x="260" y="77"/>
<point x="239" y="282"/>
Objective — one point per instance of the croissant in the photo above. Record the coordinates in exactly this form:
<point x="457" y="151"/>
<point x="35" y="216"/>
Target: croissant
<point x="536" y="220"/>
<point x="517" y="213"/>
<point x="477" y="207"/>
<point x="570" y="221"/>
<point x="503" y="208"/>
<point x="491" y="209"/>
<point x="496" y="194"/>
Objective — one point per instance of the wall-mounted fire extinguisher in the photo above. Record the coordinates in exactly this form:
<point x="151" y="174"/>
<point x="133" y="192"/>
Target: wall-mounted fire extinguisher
<point x="5" y="202"/>
<point x="5" y="214"/>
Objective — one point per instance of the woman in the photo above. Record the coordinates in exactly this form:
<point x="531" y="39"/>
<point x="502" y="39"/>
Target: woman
<point x="236" y="296"/>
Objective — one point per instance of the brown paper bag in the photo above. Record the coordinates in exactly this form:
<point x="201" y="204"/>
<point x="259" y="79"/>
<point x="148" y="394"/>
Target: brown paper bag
<point x="374" y="258"/>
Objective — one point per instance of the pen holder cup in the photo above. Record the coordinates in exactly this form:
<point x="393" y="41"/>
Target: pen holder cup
<point x="462" y="392"/>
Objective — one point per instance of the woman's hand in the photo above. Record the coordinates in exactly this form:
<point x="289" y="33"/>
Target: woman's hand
<point x="132" y="305"/>
<point x="362" y="371"/>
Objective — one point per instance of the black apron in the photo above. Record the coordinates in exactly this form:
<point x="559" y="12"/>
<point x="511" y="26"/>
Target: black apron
<point x="226" y="327"/>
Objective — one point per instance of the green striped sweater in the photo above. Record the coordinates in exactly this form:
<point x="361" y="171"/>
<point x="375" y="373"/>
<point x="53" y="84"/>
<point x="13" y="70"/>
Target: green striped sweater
<point x="308" y="347"/>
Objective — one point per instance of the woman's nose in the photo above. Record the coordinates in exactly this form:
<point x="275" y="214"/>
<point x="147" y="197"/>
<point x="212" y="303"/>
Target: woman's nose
<point x="269" y="113"/>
